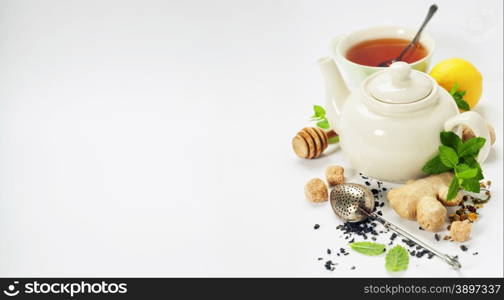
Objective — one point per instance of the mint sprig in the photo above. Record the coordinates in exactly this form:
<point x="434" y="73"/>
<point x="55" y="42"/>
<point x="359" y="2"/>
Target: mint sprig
<point x="319" y="116"/>
<point x="458" y="96"/>
<point x="460" y="158"/>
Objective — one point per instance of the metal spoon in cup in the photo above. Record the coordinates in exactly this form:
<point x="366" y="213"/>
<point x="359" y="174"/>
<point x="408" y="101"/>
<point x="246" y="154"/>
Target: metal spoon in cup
<point x="354" y="203"/>
<point x="433" y="8"/>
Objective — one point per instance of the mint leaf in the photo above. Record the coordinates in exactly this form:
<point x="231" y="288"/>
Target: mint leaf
<point x="479" y="176"/>
<point x="473" y="163"/>
<point x="471" y="146"/>
<point x="466" y="173"/>
<point x="320" y="117"/>
<point x="448" y="156"/>
<point x="461" y="103"/>
<point x="462" y="167"/>
<point x="450" y="139"/>
<point x="471" y="185"/>
<point x="454" y="89"/>
<point x="453" y="189"/>
<point x="458" y="96"/>
<point x="324" y="124"/>
<point x="397" y="259"/>
<point x="435" y="166"/>
<point x="368" y="248"/>
<point x="319" y="111"/>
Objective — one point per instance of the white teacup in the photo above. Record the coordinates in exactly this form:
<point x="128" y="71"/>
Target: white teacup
<point x="355" y="72"/>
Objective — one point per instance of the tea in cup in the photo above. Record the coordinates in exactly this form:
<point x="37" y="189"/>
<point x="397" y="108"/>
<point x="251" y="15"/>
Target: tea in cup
<point x="360" y="52"/>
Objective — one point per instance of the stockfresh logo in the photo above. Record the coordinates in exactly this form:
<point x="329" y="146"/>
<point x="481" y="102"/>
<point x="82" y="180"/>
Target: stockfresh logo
<point x="12" y="290"/>
<point x="65" y="288"/>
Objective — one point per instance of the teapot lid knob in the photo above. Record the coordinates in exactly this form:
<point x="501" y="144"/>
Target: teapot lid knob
<point x="400" y="72"/>
<point x="398" y="84"/>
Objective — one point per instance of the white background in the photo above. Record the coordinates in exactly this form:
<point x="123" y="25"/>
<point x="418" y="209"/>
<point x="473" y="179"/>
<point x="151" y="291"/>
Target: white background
<point x="152" y="138"/>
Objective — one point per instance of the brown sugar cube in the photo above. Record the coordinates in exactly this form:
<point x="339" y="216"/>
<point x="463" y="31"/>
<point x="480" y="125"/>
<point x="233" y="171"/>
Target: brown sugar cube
<point x="316" y="190"/>
<point x="460" y="231"/>
<point x="334" y="175"/>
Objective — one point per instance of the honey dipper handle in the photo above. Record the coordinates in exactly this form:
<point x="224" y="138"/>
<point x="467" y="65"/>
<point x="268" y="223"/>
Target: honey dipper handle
<point x="331" y="133"/>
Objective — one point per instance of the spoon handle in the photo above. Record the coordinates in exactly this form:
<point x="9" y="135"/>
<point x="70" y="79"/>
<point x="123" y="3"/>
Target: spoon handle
<point x="451" y="260"/>
<point x="432" y="10"/>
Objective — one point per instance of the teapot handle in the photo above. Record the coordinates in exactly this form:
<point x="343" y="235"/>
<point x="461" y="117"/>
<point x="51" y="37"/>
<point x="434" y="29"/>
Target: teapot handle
<point x="477" y="124"/>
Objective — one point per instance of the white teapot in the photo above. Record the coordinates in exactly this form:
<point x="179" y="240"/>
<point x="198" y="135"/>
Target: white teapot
<point x="389" y="128"/>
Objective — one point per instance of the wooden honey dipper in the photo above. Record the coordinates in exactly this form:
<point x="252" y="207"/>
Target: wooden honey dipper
<point x="310" y="142"/>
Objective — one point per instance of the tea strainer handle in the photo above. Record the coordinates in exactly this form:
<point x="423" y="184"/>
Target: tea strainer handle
<point x="451" y="260"/>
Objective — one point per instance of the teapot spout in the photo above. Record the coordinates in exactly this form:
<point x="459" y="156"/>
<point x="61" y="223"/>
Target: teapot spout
<point x="336" y="89"/>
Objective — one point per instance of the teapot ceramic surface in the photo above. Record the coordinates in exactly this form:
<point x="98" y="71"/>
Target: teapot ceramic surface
<point x="389" y="127"/>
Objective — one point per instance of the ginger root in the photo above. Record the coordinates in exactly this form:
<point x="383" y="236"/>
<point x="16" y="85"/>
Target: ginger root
<point x="431" y="214"/>
<point x="418" y="199"/>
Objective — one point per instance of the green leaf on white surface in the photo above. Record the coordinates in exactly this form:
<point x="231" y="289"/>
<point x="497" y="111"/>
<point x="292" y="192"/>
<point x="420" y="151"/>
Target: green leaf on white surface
<point x="368" y="248"/>
<point x="397" y="259"/>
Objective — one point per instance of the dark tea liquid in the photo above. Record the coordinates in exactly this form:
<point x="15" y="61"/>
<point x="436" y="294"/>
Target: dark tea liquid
<point x="373" y="52"/>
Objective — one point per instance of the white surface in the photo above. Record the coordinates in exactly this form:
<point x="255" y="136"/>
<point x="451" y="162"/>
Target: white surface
<point x="152" y="138"/>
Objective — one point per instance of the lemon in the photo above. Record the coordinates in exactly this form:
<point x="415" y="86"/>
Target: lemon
<point x="453" y="71"/>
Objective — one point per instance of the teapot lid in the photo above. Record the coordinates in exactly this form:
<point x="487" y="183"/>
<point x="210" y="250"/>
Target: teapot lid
<point x="399" y="85"/>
